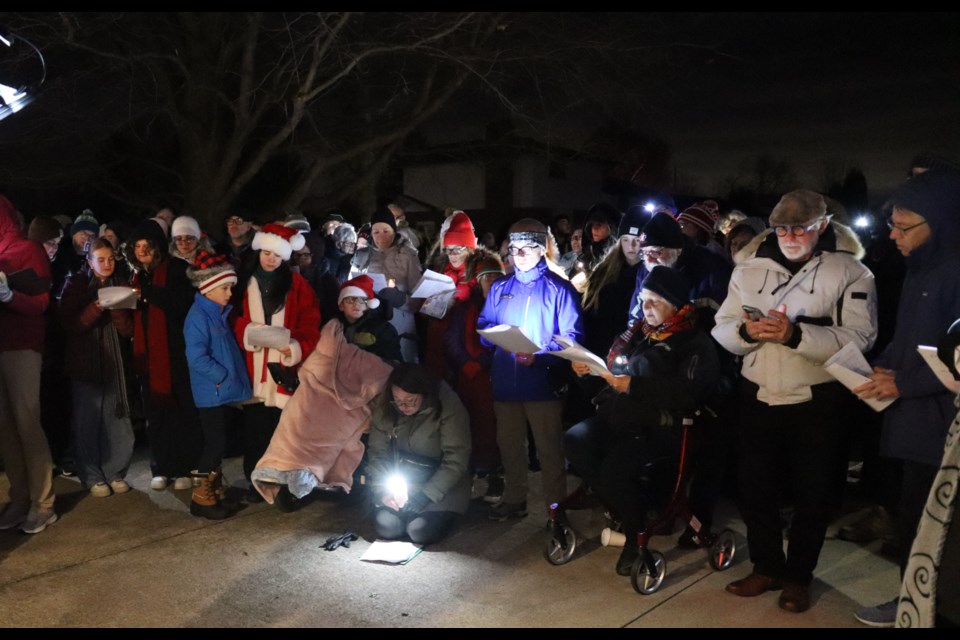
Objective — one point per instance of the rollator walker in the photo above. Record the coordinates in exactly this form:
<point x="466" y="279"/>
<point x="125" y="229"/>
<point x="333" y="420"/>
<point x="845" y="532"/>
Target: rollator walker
<point x="650" y="567"/>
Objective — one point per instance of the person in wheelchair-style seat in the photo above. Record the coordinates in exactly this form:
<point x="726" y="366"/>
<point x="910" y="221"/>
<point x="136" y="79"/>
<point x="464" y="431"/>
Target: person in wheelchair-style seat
<point x="662" y="368"/>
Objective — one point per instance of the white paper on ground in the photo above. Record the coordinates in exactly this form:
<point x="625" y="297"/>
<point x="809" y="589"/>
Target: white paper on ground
<point x="117" y="297"/>
<point x="268" y="337"/>
<point x="851" y="369"/>
<point x="578" y="353"/>
<point x="433" y="283"/>
<point x="929" y="355"/>
<point x="509" y="338"/>
<point x="391" y="552"/>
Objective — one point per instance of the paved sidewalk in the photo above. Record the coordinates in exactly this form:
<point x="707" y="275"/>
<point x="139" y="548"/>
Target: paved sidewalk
<point x="141" y="560"/>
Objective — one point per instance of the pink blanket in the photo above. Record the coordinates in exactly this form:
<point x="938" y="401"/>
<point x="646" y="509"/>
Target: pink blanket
<point x="320" y="427"/>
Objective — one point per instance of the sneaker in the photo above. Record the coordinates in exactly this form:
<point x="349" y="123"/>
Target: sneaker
<point x="101" y="490"/>
<point x="159" y="483"/>
<point x="182" y="483"/>
<point x="13" y="517"/>
<point x="506" y="510"/>
<point x="39" y="520"/>
<point x="119" y="485"/>
<point x="882" y="615"/>
<point x="494" y="489"/>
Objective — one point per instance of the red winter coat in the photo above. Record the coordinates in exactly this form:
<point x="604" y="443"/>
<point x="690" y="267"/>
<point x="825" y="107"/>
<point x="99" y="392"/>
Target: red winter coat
<point x="300" y="314"/>
<point x="21" y="319"/>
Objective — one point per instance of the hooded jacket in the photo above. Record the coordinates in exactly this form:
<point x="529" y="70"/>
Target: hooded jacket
<point x="915" y="426"/>
<point x="21" y="319"/>
<point x="543" y="305"/>
<point x="832" y="300"/>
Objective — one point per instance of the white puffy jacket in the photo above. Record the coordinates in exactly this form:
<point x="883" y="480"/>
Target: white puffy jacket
<point x="833" y="299"/>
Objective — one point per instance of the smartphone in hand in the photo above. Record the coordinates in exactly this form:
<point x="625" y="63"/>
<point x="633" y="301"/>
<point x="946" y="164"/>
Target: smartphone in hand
<point x="754" y="313"/>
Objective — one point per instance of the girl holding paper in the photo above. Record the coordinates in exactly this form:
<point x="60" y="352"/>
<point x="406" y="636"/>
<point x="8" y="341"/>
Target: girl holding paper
<point x="276" y="296"/>
<point x="96" y="338"/>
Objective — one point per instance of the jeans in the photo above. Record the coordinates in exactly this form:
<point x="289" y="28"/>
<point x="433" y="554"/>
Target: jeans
<point x="104" y="442"/>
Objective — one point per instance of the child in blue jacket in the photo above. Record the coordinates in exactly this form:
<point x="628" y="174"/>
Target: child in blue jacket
<point x="218" y="374"/>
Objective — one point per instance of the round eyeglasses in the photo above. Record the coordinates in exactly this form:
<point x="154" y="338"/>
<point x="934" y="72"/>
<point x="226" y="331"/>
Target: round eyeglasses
<point x="796" y="230"/>
<point x="454" y="251"/>
<point x="522" y="251"/>
<point x="355" y="300"/>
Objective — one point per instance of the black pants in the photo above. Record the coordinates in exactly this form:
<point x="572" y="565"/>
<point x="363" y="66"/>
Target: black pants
<point x="259" y="423"/>
<point x="173" y="430"/>
<point x="796" y="444"/>
<point x="213" y="421"/>
<point x="424" y="528"/>
<point x="613" y="463"/>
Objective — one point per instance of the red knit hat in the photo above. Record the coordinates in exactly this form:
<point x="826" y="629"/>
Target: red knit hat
<point x="359" y="287"/>
<point x="279" y="239"/>
<point x="704" y="214"/>
<point x="210" y="271"/>
<point x="460" y="231"/>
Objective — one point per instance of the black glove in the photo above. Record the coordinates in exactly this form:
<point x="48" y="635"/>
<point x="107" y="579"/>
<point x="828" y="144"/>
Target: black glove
<point x="415" y="504"/>
<point x="394" y="296"/>
<point x="343" y="540"/>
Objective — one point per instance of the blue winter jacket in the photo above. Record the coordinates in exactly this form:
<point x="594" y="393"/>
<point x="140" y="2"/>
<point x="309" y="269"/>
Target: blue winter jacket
<point x="213" y="356"/>
<point x="542" y="304"/>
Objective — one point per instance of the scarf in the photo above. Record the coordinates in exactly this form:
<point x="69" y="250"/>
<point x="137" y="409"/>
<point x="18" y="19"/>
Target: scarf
<point x="150" y="352"/>
<point x="683" y="320"/>
<point x="109" y="350"/>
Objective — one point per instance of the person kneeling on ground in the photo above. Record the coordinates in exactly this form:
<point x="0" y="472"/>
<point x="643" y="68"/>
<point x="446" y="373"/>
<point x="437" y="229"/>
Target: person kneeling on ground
<point x="421" y="434"/>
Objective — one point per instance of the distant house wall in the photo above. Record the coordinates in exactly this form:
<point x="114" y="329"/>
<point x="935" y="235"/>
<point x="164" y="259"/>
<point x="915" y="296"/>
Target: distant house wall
<point x="455" y="184"/>
<point x="560" y="186"/>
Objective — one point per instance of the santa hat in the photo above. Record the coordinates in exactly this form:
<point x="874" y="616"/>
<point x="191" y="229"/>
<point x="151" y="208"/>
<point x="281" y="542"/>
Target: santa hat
<point x="210" y="271"/>
<point x="459" y="231"/>
<point x="279" y="239"/>
<point x="359" y="287"/>
<point x="185" y="226"/>
<point x="704" y="215"/>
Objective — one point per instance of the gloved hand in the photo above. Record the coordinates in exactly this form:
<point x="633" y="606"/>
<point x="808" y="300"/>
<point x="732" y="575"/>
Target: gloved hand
<point x="343" y="540"/>
<point x="472" y="369"/>
<point x="394" y="296"/>
<point x="415" y="504"/>
<point x="6" y="294"/>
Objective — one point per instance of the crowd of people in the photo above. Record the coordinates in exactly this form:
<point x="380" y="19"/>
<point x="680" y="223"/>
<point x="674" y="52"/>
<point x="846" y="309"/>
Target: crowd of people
<point x="288" y="328"/>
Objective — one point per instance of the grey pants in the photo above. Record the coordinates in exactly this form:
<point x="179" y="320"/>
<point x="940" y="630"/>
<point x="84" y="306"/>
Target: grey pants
<point x="544" y="418"/>
<point x="104" y="442"/>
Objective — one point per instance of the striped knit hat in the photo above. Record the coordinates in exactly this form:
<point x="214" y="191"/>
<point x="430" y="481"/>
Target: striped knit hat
<point x="210" y="271"/>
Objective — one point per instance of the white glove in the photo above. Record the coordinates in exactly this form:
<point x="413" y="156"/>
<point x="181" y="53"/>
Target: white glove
<point x="6" y="294"/>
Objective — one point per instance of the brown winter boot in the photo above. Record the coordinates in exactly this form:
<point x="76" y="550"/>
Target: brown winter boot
<point x="205" y="503"/>
<point x="225" y="500"/>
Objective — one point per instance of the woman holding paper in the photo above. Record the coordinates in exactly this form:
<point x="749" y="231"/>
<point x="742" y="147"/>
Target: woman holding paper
<point x="93" y="358"/>
<point x="395" y="258"/>
<point x="661" y="369"/>
<point x="274" y="296"/>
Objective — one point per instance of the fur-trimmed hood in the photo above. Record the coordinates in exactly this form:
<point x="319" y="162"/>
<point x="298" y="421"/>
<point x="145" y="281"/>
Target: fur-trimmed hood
<point x="846" y="240"/>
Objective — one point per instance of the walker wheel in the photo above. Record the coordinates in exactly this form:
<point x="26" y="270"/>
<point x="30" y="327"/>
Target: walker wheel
<point x="561" y="543"/>
<point x="723" y="550"/>
<point x="648" y="572"/>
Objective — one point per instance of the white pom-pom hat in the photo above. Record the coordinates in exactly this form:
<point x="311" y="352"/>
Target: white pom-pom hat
<point x="278" y="239"/>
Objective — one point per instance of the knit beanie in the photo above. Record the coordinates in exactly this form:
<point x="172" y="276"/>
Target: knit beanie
<point x="704" y="215"/>
<point x="662" y="231"/>
<point x="669" y="284"/>
<point x="185" y="226"/>
<point x="85" y="222"/>
<point x="384" y="216"/>
<point x="297" y="221"/>
<point x="460" y="232"/>
<point x="210" y="271"/>
<point x="633" y="221"/>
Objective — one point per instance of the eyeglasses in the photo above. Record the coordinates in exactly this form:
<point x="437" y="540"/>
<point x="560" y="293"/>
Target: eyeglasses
<point x="454" y="251"/>
<point x="405" y="404"/>
<point x="304" y="255"/>
<point x="903" y="230"/>
<point x="653" y="252"/>
<point x="522" y="251"/>
<point x="355" y="300"/>
<point x="235" y="220"/>
<point x="796" y="230"/>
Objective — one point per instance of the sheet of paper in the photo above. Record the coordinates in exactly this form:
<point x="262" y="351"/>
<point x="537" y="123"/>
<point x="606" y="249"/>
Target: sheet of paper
<point x="117" y="297"/>
<point x="433" y="283"/>
<point x="509" y="338"/>
<point x="379" y="281"/>
<point x="268" y="337"/>
<point x="929" y="355"/>
<point x="851" y="369"/>
<point x="578" y="353"/>
<point x="391" y="552"/>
